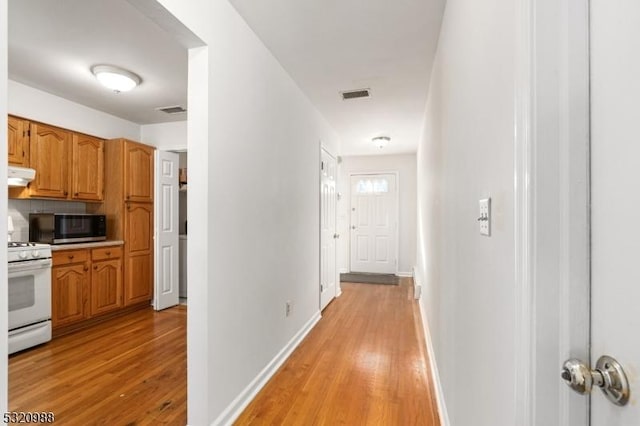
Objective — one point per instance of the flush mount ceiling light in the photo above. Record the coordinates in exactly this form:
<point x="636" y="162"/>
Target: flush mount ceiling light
<point x="116" y="79"/>
<point x="381" y="141"/>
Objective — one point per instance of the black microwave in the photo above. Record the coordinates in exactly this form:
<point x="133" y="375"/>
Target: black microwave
<point x="63" y="228"/>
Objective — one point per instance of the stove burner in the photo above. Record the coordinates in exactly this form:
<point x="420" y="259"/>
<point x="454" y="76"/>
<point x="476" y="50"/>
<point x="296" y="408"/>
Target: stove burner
<point x="21" y="244"/>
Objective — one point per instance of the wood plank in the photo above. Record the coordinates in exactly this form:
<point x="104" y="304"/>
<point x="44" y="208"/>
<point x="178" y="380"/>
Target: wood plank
<point x="364" y="363"/>
<point x="129" y="370"/>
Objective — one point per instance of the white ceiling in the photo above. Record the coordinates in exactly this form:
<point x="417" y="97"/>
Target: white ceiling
<point x="327" y="46"/>
<point x="53" y="45"/>
<point x="330" y="46"/>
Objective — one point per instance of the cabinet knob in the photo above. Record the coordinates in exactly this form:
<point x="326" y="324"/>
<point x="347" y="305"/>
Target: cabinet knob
<point x="95" y="267"/>
<point x="86" y="268"/>
<point x="108" y="253"/>
<point x="75" y="194"/>
<point x="71" y="256"/>
<point x="66" y="193"/>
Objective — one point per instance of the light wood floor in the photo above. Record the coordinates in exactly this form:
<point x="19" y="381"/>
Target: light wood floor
<point x="127" y="371"/>
<point x="363" y="364"/>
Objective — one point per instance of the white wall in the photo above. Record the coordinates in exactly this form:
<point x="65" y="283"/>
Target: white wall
<point x="4" y="309"/>
<point x="466" y="153"/>
<point x="28" y="102"/>
<point x="405" y="165"/>
<point x="165" y="136"/>
<point x="256" y="176"/>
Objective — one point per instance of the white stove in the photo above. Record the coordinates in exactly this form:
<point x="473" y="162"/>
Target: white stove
<point x="19" y="252"/>
<point x="29" y="296"/>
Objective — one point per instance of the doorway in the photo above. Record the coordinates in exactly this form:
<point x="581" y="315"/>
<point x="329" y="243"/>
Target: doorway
<point x="328" y="231"/>
<point x="374" y="223"/>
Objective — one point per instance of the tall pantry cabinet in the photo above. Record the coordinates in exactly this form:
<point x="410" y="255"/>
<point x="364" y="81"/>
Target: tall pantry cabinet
<point x="128" y="205"/>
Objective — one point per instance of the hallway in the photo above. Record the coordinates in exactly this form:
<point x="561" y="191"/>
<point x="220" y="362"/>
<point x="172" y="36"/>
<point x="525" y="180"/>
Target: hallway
<point x="363" y="364"/>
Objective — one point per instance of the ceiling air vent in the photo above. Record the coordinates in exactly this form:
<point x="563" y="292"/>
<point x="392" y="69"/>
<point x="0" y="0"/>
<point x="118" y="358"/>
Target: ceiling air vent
<point x="355" y="94"/>
<point x="176" y="109"/>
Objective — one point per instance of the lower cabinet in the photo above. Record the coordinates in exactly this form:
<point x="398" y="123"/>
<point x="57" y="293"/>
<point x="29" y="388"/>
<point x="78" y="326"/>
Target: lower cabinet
<point x="85" y="284"/>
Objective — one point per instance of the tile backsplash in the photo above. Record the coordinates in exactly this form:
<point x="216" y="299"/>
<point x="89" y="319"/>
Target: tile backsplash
<point x="19" y="211"/>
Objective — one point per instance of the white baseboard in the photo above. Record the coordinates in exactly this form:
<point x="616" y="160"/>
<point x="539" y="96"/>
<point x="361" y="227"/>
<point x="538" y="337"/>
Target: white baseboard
<point x="405" y="274"/>
<point x="442" y="408"/>
<point x="233" y="411"/>
<point x="344" y="271"/>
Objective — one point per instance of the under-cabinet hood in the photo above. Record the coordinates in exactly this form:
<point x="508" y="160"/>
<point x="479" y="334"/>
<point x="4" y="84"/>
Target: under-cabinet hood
<point x="20" y="176"/>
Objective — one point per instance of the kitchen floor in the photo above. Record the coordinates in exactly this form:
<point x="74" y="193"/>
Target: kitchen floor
<point x="129" y="370"/>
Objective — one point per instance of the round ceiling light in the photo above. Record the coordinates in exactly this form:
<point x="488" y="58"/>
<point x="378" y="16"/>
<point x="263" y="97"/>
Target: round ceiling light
<point x="116" y="79"/>
<point x="381" y="141"/>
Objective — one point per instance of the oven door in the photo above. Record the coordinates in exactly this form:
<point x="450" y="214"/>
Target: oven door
<point x="29" y="292"/>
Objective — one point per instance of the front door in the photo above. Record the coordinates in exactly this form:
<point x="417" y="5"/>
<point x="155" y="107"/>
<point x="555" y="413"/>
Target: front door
<point x="328" y="235"/>
<point x="615" y="193"/>
<point x="374" y="223"/>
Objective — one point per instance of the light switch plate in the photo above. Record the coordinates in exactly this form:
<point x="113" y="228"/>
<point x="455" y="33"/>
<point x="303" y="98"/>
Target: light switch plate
<point x="485" y="216"/>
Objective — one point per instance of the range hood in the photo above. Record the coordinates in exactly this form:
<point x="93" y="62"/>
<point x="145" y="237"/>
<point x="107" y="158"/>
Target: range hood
<point x="20" y="176"/>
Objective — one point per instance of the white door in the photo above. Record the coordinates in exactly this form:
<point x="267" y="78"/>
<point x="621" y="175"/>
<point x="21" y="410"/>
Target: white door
<point x="166" y="292"/>
<point x="328" y="235"/>
<point x="615" y="196"/>
<point x="374" y="223"/>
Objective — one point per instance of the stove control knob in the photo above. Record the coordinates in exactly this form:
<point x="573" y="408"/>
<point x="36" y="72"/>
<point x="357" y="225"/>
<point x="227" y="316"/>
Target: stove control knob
<point x="22" y="255"/>
<point x="35" y="253"/>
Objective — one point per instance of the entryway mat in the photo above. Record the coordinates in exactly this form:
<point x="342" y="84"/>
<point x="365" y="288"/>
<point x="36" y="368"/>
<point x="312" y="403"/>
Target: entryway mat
<point x="361" y="277"/>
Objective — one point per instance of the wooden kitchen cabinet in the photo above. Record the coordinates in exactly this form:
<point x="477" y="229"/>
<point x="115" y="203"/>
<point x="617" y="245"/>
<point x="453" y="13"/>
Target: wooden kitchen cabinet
<point x="18" y="141"/>
<point x="49" y="156"/>
<point x="87" y="168"/>
<point x="138" y="172"/>
<point x="128" y="205"/>
<point x="86" y="283"/>
<point x="138" y="228"/>
<point x="69" y="292"/>
<point x="106" y="280"/>
<point x="68" y="165"/>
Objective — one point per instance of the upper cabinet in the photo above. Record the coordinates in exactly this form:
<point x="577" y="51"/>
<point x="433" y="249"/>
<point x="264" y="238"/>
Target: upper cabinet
<point x="87" y="157"/>
<point x="138" y="172"/>
<point x="18" y="141"/>
<point x="50" y="158"/>
<point x="68" y="165"/>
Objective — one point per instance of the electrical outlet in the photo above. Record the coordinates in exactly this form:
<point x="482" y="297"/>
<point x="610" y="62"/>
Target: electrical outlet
<point x="485" y="216"/>
<point x="288" y="308"/>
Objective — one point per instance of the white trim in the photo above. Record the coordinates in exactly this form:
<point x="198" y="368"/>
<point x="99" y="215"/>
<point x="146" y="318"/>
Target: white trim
<point x="523" y="212"/>
<point x="233" y="410"/>
<point x="405" y="274"/>
<point x="435" y="376"/>
<point x="396" y="173"/>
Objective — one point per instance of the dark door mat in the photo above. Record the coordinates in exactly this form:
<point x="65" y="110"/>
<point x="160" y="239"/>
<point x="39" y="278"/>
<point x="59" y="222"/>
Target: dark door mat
<point x="366" y="278"/>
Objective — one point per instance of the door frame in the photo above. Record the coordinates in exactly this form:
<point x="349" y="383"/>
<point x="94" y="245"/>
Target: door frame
<point x="396" y="203"/>
<point x="551" y="209"/>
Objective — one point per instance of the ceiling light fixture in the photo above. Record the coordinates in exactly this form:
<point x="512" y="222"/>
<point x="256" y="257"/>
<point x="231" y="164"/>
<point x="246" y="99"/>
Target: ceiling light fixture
<point x="116" y="79"/>
<point x="381" y="141"/>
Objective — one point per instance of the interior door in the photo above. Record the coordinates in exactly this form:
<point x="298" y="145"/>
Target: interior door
<point x="167" y="244"/>
<point x="328" y="235"/>
<point x="615" y="193"/>
<point x="374" y="223"/>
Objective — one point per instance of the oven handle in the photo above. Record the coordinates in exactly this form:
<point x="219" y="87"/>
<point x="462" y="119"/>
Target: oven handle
<point x="28" y="265"/>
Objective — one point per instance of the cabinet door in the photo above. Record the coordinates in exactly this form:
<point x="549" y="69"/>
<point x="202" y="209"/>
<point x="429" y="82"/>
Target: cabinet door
<point x="49" y="154"/>
<point x="106" y="286"/>
<point x="138" y="172"/>
<point x="138" y="281"/>
<point x="18" y="141"/>
<point x="69" y="294"/>
<point x="87" y="169"/>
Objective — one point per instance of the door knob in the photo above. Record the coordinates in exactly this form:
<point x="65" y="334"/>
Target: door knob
<point x="353" y="227"/>
<point x="336" y="236"/>
<point x="608" y="376"/>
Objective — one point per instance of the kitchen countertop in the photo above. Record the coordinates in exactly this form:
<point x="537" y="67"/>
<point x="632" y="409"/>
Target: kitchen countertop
<point x="96" y="244"/>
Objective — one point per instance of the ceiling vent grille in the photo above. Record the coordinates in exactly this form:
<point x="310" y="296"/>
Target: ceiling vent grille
<point x="176" y="109"/>
<point x="355" y="94"/>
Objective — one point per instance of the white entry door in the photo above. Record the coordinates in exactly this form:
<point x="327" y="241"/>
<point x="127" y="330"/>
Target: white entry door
<point x="374" y="223"/>
<point x="328" y="235"/>
<point x="615" y="198"/>
<point x="166" y="292"/>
